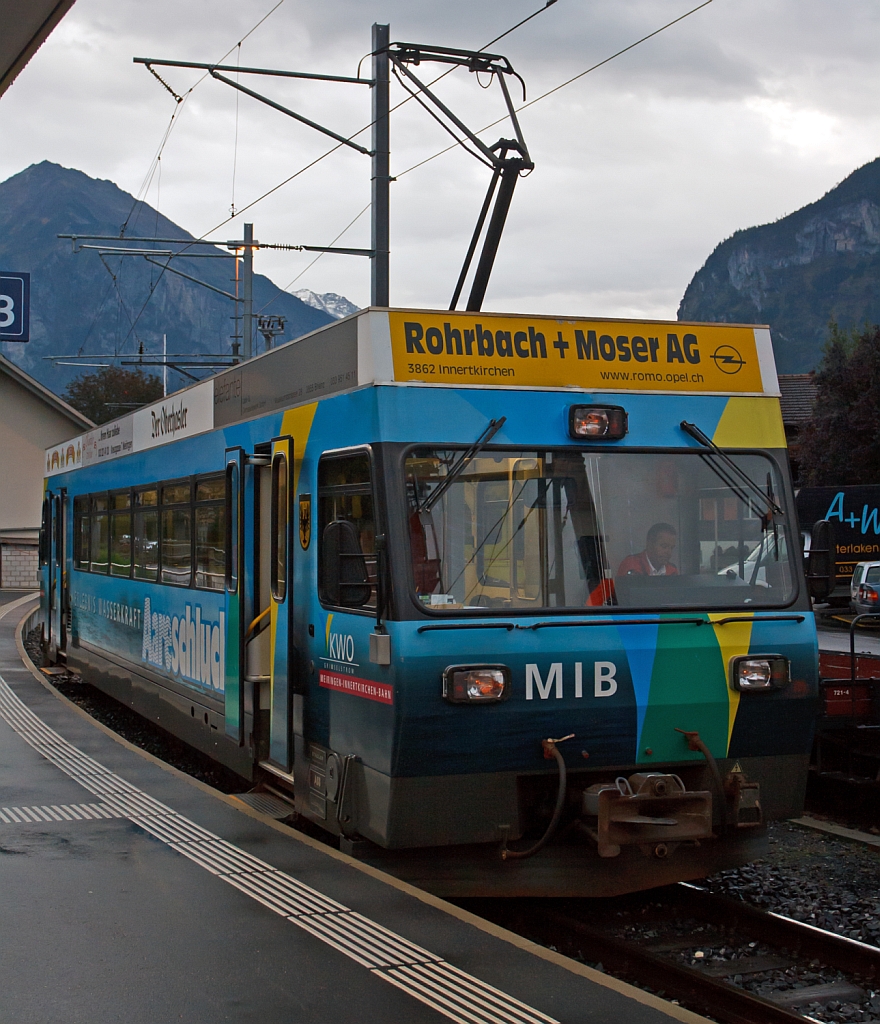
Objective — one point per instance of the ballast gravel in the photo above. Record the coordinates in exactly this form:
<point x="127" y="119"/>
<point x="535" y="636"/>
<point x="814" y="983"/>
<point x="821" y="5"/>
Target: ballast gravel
<point x="831" y="883"/>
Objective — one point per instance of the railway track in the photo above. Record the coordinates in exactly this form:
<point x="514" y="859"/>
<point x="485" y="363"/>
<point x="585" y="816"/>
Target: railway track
<point x="712" y="954"/>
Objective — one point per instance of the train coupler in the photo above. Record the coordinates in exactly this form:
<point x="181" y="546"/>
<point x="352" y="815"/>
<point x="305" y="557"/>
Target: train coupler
<point x="743" y="799"/>
<point x="651" y="810"/>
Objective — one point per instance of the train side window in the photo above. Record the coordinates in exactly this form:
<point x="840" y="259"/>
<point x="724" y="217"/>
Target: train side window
<point x="176" y="494"/>
<point x="211" y="489"/>
<point x="146" y="534"/>
<point x="81" y="532"/>
<point x="210" y="525"/>
<point x="279" y="525"/>
<point x="120" y="533"/>
<point x="345" y="494"/>
<point x="176" y="535"/>
<point x="99" y="543"/>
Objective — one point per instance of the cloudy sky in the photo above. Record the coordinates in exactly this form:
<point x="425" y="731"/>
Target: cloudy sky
<point x="737" y="115"/>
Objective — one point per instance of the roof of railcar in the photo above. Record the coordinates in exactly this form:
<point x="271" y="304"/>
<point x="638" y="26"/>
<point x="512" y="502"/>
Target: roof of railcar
<point x="431" y="347"/>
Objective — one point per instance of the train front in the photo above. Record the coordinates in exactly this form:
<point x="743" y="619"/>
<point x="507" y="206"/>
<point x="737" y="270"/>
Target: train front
<point x="606" y="666"/>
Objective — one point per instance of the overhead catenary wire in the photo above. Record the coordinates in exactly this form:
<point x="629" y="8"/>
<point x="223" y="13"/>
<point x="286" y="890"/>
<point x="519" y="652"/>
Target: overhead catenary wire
<point x="448" y="149"/>
<point x="421" y="163"/>
<point x="181" y="99"/>
<point x="179" y="104"/>
<point x="530" y="103"/>
<point x="562" y="85"/>
<point x="309" y="165"/>
<point x="397" y="106"/>
<point x="305" y="269"/>
<point x="367" y="127"/>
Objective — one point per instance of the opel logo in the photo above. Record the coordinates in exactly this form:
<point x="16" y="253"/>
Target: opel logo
<point x="727" y="359"/>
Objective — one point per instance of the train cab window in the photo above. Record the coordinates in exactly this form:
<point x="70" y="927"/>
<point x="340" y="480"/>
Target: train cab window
<point x="120" y="533"/>
<point x="210" y="531"/>
<point x="99" y="544"/>
<point x="176" y="535"/>
<point x="345" y="495"/>
<point x="279" y="525"/>
<point x="578" y="529"/>
<point x="146" y="534"/>
<point x="81" y="532"/>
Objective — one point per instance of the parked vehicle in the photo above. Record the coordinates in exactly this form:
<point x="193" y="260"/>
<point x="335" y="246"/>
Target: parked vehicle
<point x="766" y="557"/>
<point x="854" y="513"/>
<point x="864" y="590"/>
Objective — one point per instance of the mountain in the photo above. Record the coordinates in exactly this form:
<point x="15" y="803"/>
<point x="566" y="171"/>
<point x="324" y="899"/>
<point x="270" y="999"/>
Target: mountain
<point x="95" y="304"/>
<point x="337" y="306"/>
<point x="815" y="265"/>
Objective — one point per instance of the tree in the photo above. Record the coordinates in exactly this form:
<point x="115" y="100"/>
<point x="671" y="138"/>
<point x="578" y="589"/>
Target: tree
<point x="111" y="392"/>
<point x="842" y="443"/>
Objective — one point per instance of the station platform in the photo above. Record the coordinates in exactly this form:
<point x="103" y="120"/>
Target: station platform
<point x="837" y="640"/>
<point x="132" y="892"/>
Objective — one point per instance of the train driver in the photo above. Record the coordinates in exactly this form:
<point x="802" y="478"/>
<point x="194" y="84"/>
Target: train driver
<point x="655" y="559"/>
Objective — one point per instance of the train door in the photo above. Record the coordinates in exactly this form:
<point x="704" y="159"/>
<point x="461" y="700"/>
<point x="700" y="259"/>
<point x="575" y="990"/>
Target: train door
<point x="235" y="683"/>
<point x="259" y="664"/>
<point x="55" y="552"/>
<point x="281" y="548"/>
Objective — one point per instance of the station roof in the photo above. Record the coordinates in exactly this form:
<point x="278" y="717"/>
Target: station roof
<point x="24" y="27"/>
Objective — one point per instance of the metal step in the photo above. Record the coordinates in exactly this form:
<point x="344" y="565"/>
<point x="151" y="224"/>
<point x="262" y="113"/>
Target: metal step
<point x="272" y="769"/>
<point x="266" y="803"/>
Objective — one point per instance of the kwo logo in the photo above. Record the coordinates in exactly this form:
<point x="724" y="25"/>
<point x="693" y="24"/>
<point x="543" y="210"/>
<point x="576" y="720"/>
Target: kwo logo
<point x="340" y="647"/>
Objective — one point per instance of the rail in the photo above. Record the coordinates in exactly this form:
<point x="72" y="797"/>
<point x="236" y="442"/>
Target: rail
<point x="664" y="921"/>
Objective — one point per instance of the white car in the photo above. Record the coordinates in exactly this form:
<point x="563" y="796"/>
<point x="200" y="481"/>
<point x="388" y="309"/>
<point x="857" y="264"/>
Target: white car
<point x="765" y="550"/>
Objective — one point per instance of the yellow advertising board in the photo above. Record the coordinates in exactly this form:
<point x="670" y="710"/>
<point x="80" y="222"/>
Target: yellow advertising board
<point x="606" y="355"/>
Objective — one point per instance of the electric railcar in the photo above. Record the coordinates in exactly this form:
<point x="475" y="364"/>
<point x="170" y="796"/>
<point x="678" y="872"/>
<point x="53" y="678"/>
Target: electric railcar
<point x="480" y="591"/>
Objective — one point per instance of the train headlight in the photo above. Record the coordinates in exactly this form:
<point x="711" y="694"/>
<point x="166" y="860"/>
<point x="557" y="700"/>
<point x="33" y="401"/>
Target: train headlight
<point x="597" y="422"/>
<point x="769" y="672"/>
<point x="476" y="684"/>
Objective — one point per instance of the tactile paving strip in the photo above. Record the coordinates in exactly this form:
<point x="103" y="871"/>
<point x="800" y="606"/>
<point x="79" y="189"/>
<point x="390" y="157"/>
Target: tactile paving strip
<point x="418" y="972"/>
<point x="57" y="812"/>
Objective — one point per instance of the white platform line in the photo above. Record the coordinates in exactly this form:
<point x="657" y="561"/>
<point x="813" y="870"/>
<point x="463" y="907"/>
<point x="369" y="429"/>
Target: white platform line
<point x="421" y="974"/>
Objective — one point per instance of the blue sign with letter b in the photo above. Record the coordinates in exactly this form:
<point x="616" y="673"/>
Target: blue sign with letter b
<point x="15" y="300"/>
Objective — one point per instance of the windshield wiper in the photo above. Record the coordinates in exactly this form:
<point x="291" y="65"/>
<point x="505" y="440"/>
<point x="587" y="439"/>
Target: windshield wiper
<point x="459" y="467"/>
<point x="771" y="508"/>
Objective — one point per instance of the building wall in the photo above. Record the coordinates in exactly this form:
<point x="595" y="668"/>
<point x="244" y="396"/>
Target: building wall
<point x="28" y="425"/>
<point x="19" y="566"/>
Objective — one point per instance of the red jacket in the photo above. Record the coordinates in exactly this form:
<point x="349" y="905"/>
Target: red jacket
<point x="639" y="565"/>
